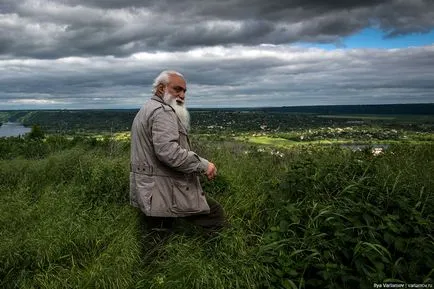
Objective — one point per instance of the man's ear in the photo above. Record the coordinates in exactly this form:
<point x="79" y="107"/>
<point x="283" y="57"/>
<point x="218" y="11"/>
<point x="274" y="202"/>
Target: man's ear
<point x="160" y="90"/>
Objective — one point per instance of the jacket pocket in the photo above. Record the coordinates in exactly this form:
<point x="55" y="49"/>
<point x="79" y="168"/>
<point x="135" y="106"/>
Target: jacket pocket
<point x="185" y="198"/>
<point x="144" y="187"/>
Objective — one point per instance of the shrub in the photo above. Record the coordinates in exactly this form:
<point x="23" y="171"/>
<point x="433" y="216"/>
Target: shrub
<point x="351" y="220"/>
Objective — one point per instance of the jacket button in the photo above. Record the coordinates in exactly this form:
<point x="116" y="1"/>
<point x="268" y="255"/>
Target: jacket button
<point x="203" y="193"/>
<point x="187" y="188"/>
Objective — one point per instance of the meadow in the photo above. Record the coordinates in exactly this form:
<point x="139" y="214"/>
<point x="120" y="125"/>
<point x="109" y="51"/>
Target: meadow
<point x="305" y="212"/>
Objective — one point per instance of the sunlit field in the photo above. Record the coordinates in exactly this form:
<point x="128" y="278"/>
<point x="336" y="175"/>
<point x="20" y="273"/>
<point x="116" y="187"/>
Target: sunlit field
<point x="306" y="211"/>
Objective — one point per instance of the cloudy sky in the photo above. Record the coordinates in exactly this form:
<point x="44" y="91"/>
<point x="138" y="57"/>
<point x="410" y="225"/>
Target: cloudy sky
<point x="73" y="54"/>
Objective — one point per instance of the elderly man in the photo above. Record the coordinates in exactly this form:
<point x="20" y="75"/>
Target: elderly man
<point x="164" y="177"/>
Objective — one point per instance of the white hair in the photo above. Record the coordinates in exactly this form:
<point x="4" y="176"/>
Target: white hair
<point x="163" y="78"/>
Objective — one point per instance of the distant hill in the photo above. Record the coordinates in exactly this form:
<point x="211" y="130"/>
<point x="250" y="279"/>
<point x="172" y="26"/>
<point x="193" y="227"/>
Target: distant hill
<point x="203" y="119"/>
<point x="415" y="109"/>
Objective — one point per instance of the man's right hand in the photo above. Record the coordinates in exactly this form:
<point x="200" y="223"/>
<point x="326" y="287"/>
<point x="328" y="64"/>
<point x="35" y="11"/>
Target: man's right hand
<point x="211" y="172"/>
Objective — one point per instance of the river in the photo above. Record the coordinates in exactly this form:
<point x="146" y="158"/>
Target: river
<point x="13" y="129"/>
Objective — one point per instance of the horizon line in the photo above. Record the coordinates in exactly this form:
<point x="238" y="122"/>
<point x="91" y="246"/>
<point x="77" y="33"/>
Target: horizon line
<point x="231" y="107"/>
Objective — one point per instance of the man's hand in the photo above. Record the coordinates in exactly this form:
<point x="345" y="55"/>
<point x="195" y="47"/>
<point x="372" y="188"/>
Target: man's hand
<point x="211" y="172"/>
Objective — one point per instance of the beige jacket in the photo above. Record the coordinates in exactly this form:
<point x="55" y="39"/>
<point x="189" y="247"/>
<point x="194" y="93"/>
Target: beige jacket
<point x="164" y="172"/>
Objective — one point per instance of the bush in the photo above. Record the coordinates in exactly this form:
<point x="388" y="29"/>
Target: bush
<point x="36" y="133"/>
<point x="351" y="220"/>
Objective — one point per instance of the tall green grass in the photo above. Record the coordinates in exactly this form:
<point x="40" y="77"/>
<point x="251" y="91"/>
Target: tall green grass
<point x="347" y="220"/>
<point x="318" y="217"/>
<point x="64" y="222"/>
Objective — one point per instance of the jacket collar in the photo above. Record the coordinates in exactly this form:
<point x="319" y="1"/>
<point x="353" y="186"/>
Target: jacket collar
<point x="157" y="98"/>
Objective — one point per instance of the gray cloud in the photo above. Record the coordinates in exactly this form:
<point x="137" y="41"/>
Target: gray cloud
<point x="105" y="54"/>
<point x="225" y="76"/>
<point x="52" y="29"/>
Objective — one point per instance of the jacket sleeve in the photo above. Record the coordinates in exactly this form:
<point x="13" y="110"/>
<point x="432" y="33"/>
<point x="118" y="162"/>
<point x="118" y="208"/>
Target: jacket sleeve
<point x="165" y="139"/>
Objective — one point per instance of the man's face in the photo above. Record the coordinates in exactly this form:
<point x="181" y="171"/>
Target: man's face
<point x="176" y="89"/>
<point x="174" y="95"/>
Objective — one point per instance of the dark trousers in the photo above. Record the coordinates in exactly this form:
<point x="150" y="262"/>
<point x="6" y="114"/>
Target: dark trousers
<point x="213" y="221"/>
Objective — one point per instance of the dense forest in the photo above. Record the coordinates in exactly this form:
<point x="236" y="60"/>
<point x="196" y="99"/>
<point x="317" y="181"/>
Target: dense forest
<point x="411" y="116"/>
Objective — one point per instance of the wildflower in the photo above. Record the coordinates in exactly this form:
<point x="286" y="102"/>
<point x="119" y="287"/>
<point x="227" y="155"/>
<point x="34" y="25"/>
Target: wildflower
<point x="277" y="153"/>
<point x="377" y="151"/>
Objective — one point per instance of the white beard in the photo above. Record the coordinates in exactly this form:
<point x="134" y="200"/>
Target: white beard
<point x="180" y="109"/>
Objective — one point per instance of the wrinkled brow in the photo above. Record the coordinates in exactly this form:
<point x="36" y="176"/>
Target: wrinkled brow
<point x="179" y="89"/>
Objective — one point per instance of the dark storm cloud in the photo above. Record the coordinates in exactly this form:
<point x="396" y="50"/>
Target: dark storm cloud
<point x="236" y="9"/>
<point x="96" y="54"/>
<point x="53" y="29"/>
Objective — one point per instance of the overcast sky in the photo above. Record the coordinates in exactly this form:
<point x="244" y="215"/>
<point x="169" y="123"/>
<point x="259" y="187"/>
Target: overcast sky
<point x="234" y="53"/>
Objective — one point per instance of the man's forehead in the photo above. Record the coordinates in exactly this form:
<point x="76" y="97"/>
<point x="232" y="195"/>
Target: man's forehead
<point x="177" y="80"/>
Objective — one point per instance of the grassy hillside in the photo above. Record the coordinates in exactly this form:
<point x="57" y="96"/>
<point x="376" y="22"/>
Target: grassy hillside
<point x="308" y="217"/>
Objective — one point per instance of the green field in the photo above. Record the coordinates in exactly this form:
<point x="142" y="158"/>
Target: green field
<point x="304" y="212"/>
